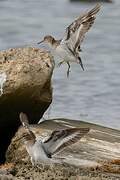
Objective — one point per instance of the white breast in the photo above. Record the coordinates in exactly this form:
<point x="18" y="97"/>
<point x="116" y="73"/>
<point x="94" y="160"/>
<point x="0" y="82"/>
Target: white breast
<point x="63" y="52"/>
<point x="37" y="152"/>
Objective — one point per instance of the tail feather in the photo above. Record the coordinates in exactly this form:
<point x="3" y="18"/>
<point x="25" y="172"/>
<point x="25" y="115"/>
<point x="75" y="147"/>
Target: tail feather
<point x="80" y="62"/>
<point x="24" y="120"/>
<point x="29" y="136"/>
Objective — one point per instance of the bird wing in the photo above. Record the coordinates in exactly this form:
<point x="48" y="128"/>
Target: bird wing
<point x="75" y="32"/>
<point x="60" y="139"/>
<point x="28" y="138"/>
<point x="28" y="135"/>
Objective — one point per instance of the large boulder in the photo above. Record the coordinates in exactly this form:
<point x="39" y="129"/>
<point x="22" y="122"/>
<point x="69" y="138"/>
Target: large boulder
<point x="25" y="85"/>
<point x="97" y="154"/>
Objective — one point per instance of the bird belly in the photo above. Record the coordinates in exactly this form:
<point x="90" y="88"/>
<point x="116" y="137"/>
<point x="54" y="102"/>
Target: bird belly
<point x="37" y="153"/>
<point x="64" y="54"/>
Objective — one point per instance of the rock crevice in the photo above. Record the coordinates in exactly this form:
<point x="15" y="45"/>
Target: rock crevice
<point x="25" y="79"/>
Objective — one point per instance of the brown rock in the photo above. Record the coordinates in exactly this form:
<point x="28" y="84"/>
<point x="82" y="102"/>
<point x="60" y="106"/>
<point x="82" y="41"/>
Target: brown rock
<point x="25" y="74"/>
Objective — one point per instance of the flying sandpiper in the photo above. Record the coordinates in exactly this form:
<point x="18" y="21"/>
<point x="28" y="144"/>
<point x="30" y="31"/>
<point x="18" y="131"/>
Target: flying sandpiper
<point x="69" y="47"/>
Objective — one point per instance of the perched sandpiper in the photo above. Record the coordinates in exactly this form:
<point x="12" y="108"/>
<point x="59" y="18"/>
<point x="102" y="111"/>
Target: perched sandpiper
<point x="69" y="47"/>
<point x="44" y="151"/>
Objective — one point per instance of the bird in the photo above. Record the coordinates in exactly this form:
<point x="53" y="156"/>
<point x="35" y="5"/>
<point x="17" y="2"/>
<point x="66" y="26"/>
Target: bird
<point x="69" y="47"/>
<point x="43" y="151"/>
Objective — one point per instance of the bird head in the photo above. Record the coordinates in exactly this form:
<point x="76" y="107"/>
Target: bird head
<point x="47" y="39"/>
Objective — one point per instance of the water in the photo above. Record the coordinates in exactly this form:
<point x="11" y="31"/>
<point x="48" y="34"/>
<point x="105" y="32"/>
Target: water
<point x="93" y="95"/>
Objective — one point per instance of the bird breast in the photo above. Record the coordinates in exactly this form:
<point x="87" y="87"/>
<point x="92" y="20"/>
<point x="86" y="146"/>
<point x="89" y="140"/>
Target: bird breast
<point x="64" y="53"/>
<point x="37" y="152"/>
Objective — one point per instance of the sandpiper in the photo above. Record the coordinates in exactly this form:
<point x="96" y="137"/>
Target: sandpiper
<point x="69" y="47"/>
<point x="44" y="151"/>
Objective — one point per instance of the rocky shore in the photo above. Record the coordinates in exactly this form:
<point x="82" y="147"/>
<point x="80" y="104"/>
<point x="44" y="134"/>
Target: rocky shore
<point x="95" y="157"/>
<point x="25" y="85"/>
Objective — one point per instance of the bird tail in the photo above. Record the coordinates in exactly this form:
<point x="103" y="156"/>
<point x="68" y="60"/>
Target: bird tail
<point x="80" y="62"/>
<point x="28" y="136"/>
<point x="24" y="120"/>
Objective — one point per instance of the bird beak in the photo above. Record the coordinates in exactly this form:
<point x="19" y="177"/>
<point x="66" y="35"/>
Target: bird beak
<point x="40" y="42"/>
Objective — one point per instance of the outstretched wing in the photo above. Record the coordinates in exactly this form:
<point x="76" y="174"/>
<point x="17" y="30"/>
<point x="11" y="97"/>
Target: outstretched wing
<point x="28" y="136"/>
<point x="75" y="32"/>
<point x="62" y="138"/>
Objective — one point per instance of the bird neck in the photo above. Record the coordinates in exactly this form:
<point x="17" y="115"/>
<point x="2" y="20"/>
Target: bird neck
<point x="54" y="43"/>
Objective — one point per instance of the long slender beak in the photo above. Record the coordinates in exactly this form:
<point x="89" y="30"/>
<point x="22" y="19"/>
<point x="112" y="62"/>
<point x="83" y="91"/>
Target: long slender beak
<point x="40" y="42"/>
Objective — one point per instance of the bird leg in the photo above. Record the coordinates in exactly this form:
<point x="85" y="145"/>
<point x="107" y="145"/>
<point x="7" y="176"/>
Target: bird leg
<point x="32" y="161"/>
<point x="68" y="71"/>
<point x="59" y="64"/>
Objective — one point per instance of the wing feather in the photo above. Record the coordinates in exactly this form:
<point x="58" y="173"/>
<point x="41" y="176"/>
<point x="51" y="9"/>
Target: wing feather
<point x="62" y="138"/>
<point x="28" y="138"/>
<point x="72" y="139"/>
<point x="75" y="32"/>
